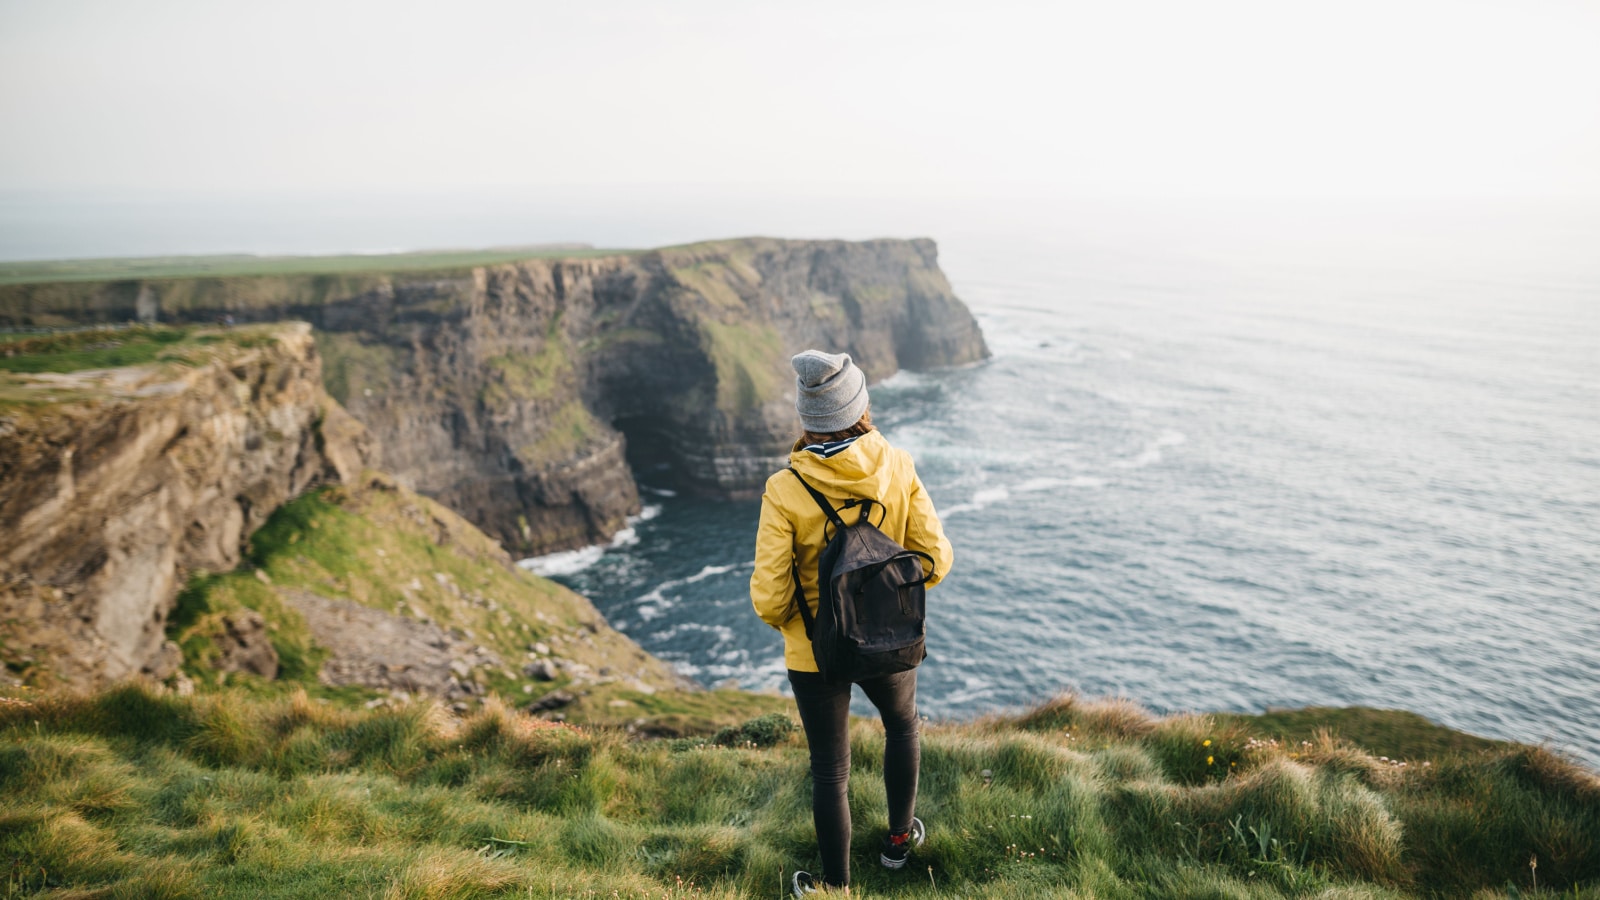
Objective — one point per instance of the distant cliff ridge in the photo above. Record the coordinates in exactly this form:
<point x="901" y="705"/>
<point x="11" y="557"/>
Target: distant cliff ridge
<point x="517" y="393"/>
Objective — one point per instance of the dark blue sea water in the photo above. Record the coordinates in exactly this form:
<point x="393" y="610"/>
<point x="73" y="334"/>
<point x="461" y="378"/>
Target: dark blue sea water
<point x="1223" y="475"/>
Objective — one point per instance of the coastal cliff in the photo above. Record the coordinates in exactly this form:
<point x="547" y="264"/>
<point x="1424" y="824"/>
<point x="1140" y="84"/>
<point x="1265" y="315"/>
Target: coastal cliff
<point x="117" y="482"/>
<point x="517" y="393"/>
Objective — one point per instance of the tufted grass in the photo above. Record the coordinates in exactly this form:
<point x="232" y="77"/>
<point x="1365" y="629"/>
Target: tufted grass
<point x="136" y="792"/>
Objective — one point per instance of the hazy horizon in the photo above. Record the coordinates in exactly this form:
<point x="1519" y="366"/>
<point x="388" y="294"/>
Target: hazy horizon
<point x="1466" y="236"/>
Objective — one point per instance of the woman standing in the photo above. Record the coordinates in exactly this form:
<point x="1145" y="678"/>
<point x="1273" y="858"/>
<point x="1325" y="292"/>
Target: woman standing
<point x="844" y="458"/>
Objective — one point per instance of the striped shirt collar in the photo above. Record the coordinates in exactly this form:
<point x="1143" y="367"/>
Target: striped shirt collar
<point x="830" y="449"/>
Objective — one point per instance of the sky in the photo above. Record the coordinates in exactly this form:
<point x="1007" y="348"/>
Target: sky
<point x="1399" y="98"/>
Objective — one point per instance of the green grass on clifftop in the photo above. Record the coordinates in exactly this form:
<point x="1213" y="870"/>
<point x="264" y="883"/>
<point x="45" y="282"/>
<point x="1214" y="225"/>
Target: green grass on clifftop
<point x="114" y="268"/>
<point x="39" y="370"/>
<point x="109" y="348"/>
<point x="137" y="792"/>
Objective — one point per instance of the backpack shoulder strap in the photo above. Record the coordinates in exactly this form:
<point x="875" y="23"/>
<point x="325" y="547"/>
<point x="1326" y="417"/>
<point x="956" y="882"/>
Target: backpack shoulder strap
<point x="827" y="508"/>
<point x="833" y="517"/>
<point x="800" y="601"/>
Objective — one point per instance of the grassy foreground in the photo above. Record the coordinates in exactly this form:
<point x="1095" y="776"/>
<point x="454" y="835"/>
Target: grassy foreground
<point x="138" y="792"/>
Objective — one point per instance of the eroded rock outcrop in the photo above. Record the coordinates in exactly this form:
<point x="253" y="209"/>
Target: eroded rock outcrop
<point x="117" y="483"/>
<point x="517" y="393"/>
<point x="377" y="649"/>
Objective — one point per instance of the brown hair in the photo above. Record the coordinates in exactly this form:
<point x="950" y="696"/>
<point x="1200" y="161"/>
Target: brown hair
<point x="862" y="426"/>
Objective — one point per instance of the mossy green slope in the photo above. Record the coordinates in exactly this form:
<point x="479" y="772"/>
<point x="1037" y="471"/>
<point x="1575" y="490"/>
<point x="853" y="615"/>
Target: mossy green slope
<point x="138" y="792"/>
<point x="388" y="549"/>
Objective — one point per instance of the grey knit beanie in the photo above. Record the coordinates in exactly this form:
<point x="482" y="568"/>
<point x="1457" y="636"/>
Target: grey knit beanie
<point x="833" y="391"/>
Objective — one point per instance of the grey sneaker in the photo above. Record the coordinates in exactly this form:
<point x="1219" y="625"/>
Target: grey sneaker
<point x="803" y="884"/>
<point x="894" y="855"/>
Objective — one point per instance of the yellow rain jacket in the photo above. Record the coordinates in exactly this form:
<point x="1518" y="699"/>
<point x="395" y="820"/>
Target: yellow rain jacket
<point x="792" y="526"/>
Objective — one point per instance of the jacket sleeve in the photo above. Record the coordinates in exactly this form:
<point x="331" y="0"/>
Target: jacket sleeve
<point x="772" y="582"/>
<point x="925" y="532"/>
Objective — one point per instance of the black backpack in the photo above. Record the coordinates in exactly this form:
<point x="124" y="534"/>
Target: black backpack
<point x="871" y="608"/>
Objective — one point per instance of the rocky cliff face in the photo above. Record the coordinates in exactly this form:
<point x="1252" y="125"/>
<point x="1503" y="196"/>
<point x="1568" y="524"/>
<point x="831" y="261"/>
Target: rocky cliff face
<point x="516" y="393"/>
<point x="116" y="483"/>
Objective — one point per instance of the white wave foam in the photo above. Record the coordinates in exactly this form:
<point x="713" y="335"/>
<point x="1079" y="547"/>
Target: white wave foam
<point x="990" y="495"/>
<point x="905" y="378"/>
<point x="974" y="687"/>
<point x="654" y="595"/>
<point x="566" y="562"/>
<point x="659" y="492"/>
<point x="704" y="573"/>
<point x="723" y="633"/>
<point x="710" y="571"/>
<point x="652" y="611"/>
<point x="1152" y="451"/>
<point x="571" y="562"/>
<point x="1149" y="457"/>
<point x="1049" y="484"/>
<point x="654" y="602"/>
<point x="980" y="500"/>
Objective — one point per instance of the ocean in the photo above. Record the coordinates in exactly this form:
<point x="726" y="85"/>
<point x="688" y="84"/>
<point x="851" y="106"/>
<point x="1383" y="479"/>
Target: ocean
<point x="1225" y="472"/>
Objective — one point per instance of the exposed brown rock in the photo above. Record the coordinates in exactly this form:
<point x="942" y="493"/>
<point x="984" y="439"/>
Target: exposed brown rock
<point x="540" y="669"/>
<point x="552" y="700"/>
<point x="132" y="478"/>
<point x="376" y="649"/>
<point x="245" y="646"/>
<point x="166" y="661"/>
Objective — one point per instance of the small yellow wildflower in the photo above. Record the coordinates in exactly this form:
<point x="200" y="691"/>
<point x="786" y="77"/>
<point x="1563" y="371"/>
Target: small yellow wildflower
<point x="1206" y="742"/>
<point x="1210" y="760"/>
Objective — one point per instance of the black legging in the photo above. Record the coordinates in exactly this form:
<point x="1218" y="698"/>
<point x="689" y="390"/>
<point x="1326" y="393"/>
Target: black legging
<point x="825" y="713"/>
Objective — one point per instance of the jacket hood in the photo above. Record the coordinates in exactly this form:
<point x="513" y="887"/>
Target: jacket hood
<point x="861" y="470"/>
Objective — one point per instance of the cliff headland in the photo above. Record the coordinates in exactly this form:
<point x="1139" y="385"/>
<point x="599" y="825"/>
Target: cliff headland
<point x="515" y="392"/>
